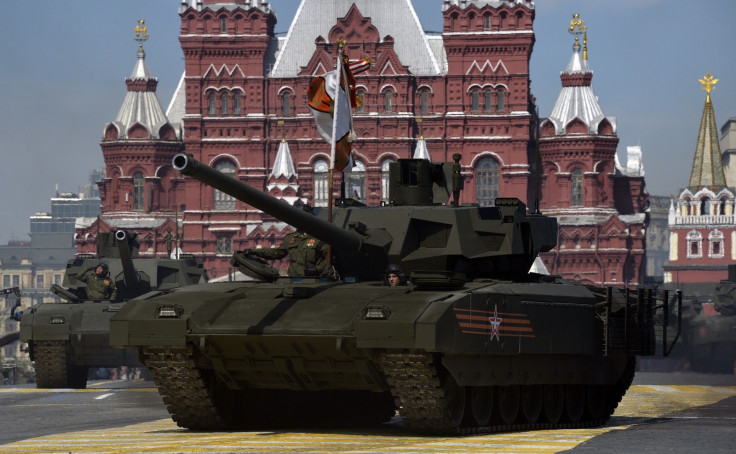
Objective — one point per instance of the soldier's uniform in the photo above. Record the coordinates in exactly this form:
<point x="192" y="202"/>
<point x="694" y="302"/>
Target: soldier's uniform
<point x="305" y="253"/>
<point x="98" y="288"/>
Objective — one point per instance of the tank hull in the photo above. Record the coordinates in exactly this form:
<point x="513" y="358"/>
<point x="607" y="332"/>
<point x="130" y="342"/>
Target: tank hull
<point x="84" y="326"/>
<point x="303" y="338"/>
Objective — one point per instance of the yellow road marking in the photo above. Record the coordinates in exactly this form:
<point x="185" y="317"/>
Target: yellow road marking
<point x="164" y="436"/>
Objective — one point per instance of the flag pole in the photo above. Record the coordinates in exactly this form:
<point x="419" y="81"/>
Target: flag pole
<point x="331" y="171"/>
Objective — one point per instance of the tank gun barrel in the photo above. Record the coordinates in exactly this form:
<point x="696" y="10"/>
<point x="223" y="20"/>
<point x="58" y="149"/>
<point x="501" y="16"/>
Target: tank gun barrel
<point x="9" y="338"/>
<point x="324" y="230"/>
<point x="126" y="258"/>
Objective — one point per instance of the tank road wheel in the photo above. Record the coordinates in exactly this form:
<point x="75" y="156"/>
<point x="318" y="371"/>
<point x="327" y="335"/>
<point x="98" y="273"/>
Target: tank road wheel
<point x="574" y="402"/>
<point x="553" y="402"/>
<point x="531" y="402"/>
<point x="455" y="397"/>
<point x="481" y="404"/>
<point x="508" y="403"/>
<point x="596" y="401"/>
<point x="54" y="368"/>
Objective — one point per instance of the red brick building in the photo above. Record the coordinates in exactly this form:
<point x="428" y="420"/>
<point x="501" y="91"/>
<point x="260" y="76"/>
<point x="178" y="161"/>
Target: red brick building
<point x="601" y="206"/>
<point x="242" y="107"/>
<point x="701" y="219"/>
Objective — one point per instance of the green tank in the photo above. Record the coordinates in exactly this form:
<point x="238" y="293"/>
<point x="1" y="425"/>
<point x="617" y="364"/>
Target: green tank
<point x="710" y="332"/>
<point x="474" y="343"/>
<point x="66" y="339"/>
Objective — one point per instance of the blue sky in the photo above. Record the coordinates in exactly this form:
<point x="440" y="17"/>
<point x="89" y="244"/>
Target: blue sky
<point x="63" y="66"/>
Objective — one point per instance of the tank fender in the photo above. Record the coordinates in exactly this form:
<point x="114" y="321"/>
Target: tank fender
<point x="408" y="324"/>
<point x="48" y="322"/>
<point x="435" y="329"/>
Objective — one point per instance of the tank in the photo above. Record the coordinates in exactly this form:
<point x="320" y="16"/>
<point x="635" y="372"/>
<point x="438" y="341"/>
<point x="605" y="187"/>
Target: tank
<point x="66" y="339"/>
<point x="475" y="343"/>
<point x="710" y="330"/>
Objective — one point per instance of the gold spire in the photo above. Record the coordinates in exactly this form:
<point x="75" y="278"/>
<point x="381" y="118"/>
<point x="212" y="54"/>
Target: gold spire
<point x="709" y="84"/>
<point x="707" y="168"/>
<point x="578" y="28"/>
<point x="141" y="33"/>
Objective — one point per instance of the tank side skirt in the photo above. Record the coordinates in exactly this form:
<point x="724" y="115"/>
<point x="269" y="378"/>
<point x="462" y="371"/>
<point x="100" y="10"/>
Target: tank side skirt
<point x="416" y="384"/>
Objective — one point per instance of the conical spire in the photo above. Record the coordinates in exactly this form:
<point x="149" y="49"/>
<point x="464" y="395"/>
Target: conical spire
<point x="141" y="105"/>
<point x="421" y="152"/>
<point x="283" y="165"/>
<point x="577" y="99"/>
<point x="707" y="165"/>
<point x="283" y="181"/>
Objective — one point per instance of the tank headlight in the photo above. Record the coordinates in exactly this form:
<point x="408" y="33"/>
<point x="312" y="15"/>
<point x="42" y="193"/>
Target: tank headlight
<point x="168" y="311"/>
<point x="377" y="313"/>
<point x="57" y="320"/>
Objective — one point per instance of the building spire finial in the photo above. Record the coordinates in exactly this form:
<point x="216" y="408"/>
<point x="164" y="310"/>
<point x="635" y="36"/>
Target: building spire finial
<point x="578" y="28"/>
<point x="141" y="34"/>
<point x="709" y="84"/>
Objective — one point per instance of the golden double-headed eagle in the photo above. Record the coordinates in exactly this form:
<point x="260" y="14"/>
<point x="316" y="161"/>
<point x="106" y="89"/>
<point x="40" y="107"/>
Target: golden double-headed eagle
<point x="141" y="31"/>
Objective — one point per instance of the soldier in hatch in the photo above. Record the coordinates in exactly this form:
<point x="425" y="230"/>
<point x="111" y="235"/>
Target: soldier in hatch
<point x="99" y="284"/>
<point x="307" y="255"/>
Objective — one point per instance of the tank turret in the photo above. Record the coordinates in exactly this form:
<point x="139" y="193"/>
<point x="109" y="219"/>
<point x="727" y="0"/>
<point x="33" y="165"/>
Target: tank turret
<point x="435" y="243"/>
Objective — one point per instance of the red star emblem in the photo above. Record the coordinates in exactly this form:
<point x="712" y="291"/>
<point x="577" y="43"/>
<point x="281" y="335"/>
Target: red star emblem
<point x="495" y="323"/>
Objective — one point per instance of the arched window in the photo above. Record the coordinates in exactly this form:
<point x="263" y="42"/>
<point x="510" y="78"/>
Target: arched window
<point x="356" y="182"/>
<point x="211" y="103"/>
<point x="384" y="179"/>
<point x="236" y="103"/>
<point x="722" y="205"/>
<point x="286" y="103"/>
<point x="224" y="201"/>
<point x="685" y="207"/>
<point x="424" y="101"/>
<point x="361" y="95"/>
<point x="488" y="100"/>
<point x="474" y="100"/>
<point x="577" y="188"/>
<point x="223" y="25"/>
<point x="320" y="183"/>
<point x="486" y="182"/>
<point x="705" y="206"/>
<point x="138" y="191"/>
<point x="387" y="100"/>
<point x="500" y="107"/>
<point x="487" y="22"/>
<point x="224" y="99"/>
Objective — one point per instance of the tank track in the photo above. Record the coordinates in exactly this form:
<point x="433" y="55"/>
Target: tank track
<point x="417" y="388"/>
<point x="183" y="388"/>
<point x="54" y="368"/>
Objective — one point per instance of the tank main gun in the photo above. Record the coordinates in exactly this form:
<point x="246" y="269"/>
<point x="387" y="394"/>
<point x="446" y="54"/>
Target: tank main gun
<point x="130" y="275"/>
<point x="294" y="216"/>
<point x="436" y="244"/>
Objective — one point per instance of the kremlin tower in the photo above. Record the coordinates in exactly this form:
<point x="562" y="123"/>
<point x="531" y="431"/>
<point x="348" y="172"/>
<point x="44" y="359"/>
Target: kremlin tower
<point x="701" y="218"/>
